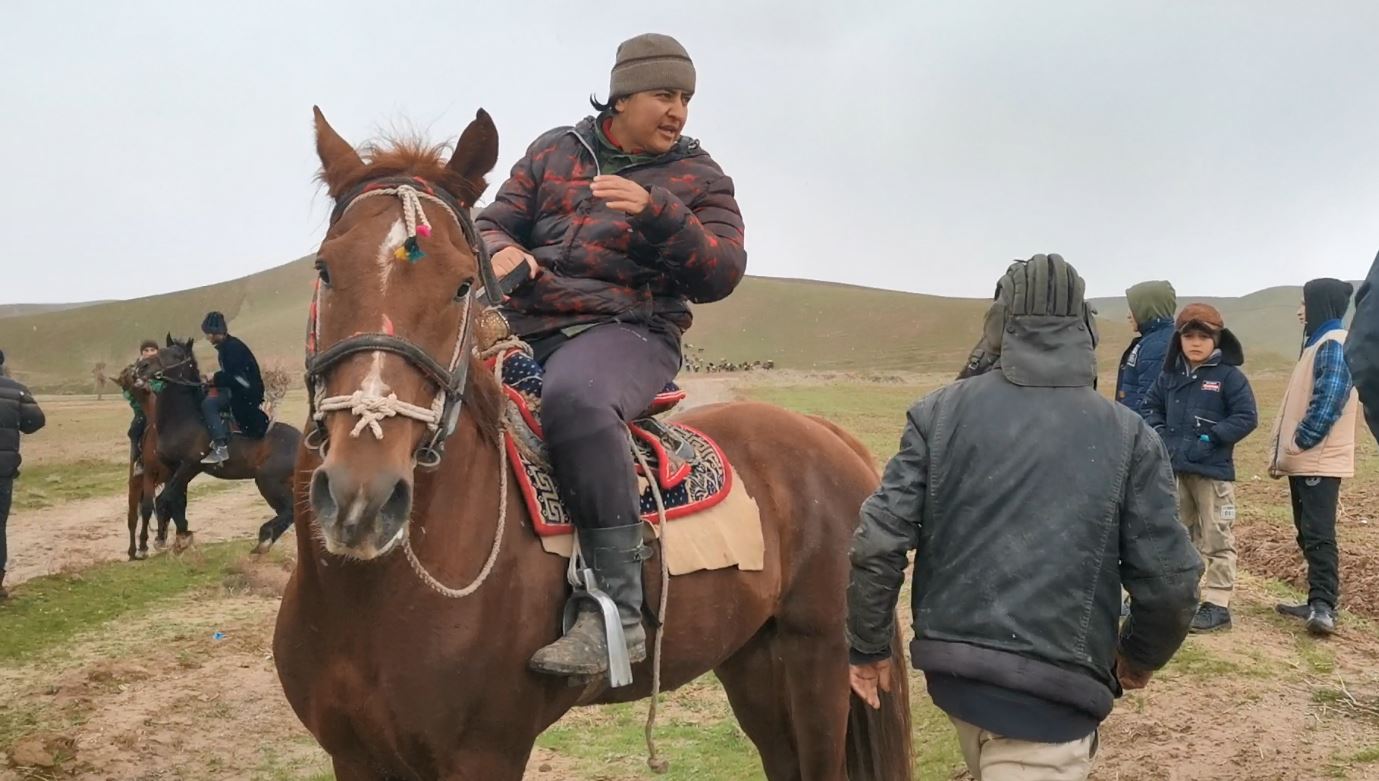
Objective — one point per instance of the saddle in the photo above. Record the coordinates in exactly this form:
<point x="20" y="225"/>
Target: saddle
<point x="688" y="467"/>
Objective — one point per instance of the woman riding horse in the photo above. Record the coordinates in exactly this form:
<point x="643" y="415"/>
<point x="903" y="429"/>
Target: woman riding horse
<point x="622" y="221"/>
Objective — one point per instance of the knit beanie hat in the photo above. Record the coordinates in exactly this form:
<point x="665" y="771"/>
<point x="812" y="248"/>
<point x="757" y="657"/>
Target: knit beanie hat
<point x="649" y="62"/>
<point x="214" y="324"/>
<point x="1201" y="317"/>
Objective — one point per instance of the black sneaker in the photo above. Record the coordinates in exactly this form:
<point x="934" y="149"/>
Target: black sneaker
<point x="1321" y="620"/>
<point x="1302" y="611"/>
<point x="1211" y="618"/>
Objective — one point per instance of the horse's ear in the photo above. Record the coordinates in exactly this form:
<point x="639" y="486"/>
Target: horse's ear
<point x="170" y="341"/>
<point x="475" y="154"/>
<point x="339" y="161"/>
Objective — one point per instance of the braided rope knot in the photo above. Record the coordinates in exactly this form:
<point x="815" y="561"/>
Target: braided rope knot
<point x="371" y="409"/>
<point x="413" y="216"/>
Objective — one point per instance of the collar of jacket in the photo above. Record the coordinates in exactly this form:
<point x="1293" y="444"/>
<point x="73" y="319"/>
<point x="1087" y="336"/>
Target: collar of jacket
<point x="587" y="131"/>
<point x="1322" y="330"/>
<point x="1157" y="324"/>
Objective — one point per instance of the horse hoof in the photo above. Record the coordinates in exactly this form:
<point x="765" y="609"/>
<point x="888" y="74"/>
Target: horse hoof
<point x="183" y="542"/>
<point x="262" y="547"/>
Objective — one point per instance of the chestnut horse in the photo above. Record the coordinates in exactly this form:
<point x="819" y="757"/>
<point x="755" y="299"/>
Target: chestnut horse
<point x="143" y="484"/>
<point x="398" y="678"/>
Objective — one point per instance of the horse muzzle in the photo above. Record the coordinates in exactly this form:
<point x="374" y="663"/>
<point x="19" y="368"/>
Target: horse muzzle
<point x="360" y="515"/>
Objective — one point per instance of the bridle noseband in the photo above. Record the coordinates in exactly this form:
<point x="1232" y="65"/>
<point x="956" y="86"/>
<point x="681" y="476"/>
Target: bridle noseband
<point x="444" y="414"/>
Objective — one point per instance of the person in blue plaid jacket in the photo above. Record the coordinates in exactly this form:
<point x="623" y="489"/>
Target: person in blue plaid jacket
<point x="1314" y="445"/>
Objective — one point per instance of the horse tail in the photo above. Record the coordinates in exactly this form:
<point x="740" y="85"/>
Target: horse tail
<point x="853" y="443"/>
<point x="878" y="741"/>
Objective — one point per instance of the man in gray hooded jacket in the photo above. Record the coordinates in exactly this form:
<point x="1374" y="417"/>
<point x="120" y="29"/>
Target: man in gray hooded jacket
<point x="1030" y="500"/>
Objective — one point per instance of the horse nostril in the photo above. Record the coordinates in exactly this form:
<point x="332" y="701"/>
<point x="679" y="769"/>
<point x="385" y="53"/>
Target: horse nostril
<point x="399" y="504"/>
<point x="322" y="501"/>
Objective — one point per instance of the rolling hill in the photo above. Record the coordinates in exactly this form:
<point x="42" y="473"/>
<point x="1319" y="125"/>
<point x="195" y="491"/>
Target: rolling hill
<point x="798" y="324"/>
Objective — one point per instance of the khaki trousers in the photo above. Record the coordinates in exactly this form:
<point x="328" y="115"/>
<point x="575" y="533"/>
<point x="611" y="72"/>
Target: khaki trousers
<point x="1207" y="508"/>
<point x="991" y="757"/>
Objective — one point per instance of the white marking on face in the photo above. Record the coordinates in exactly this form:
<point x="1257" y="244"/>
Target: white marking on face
<point x="373" y="384"/>
<point x="386" y="260"/>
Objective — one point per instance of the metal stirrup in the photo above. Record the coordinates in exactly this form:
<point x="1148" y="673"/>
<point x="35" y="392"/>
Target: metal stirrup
<point x="585" y="587"/>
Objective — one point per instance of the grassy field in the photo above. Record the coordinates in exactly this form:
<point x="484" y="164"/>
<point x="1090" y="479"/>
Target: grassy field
<point x="161" y="669"/>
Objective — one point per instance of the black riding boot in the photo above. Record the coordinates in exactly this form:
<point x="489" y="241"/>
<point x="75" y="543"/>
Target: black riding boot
<point x="615" y="555"/>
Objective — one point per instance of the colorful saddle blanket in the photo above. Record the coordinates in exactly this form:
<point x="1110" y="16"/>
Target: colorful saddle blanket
<point x="688" y="466"/>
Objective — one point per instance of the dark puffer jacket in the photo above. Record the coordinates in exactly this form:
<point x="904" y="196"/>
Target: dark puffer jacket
<point x="1362" y="347"/>
<point x="19" y="414"/>
<point x="599" y="264"/>
<point x="1214" y="401"/>
<point x="239" y="372"/>
<point x="1030" y="500"/>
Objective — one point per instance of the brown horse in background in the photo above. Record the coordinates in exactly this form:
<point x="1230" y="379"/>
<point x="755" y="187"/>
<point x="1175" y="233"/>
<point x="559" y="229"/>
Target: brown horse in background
<point x="182" y="441"/>
<point x="396" y="680"/>
<point x="143" y="485"/>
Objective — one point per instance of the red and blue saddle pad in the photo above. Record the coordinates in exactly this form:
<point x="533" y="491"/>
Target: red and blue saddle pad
<point x="689" y="467"/>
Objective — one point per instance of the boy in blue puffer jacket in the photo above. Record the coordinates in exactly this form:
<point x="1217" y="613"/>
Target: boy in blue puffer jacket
<point x="1202" y="405"/>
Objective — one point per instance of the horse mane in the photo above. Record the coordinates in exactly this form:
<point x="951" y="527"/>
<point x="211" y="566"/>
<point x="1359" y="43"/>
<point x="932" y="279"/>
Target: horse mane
<point x="409" y="156"/>
<point x="486" y="400"/>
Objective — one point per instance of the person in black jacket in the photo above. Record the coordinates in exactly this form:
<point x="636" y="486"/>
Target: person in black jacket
<point x="1202" y="405"/>
<point x="19" y="414"/>
<point x="238" y="389"/>
<point x="1362" y="347"/>
<point x="1030" y="500"/>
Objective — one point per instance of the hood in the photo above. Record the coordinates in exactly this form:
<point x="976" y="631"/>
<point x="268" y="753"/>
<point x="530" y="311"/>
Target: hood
<point x="1150" y="301"/>
<point x="1229" y="351"/>
<point x="1049" y="339"/>
<point x="1325" y="300"/>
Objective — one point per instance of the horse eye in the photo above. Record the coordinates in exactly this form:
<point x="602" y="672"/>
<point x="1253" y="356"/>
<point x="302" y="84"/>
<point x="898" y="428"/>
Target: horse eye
<point x="464" y="289"/>
<point x="323" y="272"/>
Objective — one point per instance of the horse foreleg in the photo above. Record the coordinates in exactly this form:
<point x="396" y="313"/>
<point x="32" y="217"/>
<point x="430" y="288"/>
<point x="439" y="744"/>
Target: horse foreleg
<point x="146" y="496"/>
<point x="135" y="500"/>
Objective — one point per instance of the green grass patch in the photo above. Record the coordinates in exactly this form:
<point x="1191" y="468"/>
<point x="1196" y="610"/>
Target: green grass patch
<point x="708" y="749"/>
<point x="273" y="766"/>
<point x="936" y="750"/>
<point x="1194" y="660"/>
<point x="47" y="484"/>
<point x="1366" y="756"/>
<point x="46" y="612"/>
<point x="874" y="414"/>
<point x="1315" y="656"/>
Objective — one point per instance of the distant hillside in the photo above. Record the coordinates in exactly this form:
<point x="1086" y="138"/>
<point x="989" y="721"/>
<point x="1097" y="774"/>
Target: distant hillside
<point x="17" y="310"/>
<point x="1265" y="321"/>
<point x="55" y="351"/>
<point x="796" y="323"/>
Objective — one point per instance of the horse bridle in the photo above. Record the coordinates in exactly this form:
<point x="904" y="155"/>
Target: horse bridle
<point x="161" y="374"/>
<point x="452" y="378"/>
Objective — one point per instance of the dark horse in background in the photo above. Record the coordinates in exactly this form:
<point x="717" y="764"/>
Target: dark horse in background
<point x="144" y="481"/>
<point x="397" y="680"/>
<point x="182" y="441"/>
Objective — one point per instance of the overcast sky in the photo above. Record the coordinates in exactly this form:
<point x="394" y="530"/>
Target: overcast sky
<point x="1226" y="145"/>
